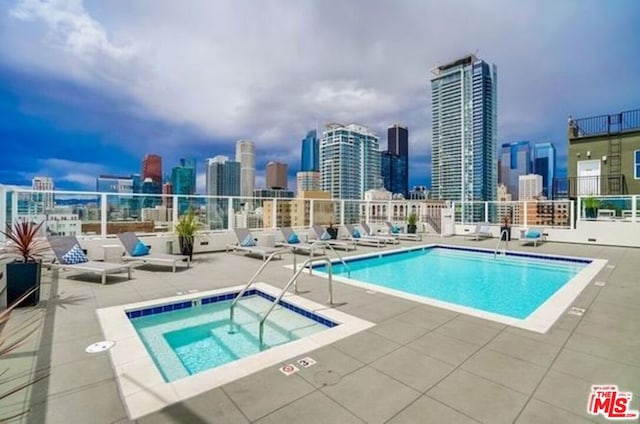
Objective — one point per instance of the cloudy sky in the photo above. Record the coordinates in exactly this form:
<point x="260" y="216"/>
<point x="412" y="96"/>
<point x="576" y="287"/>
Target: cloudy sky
<point x="89" y="87"/>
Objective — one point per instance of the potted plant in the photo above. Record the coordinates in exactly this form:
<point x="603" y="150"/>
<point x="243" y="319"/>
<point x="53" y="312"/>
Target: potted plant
<point x="505" y="226"/>
<point x="25" y="249"/>
<point x="412" y="221"/>
<point x="332" y="231"/>
<point x="186" y="229"/>
<point x="591" y="205"/>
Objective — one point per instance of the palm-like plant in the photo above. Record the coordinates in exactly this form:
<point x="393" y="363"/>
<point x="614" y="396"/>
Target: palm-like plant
<point x="24" y="245"/>
<point x="10" y="341"/>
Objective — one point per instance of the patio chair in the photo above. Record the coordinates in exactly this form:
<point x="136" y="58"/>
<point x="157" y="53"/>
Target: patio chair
<point x="362" y="240"/>
<point x="322" y="234"/>
<point x="69" y="255"/>
<point x="292" y="241"/>
<point x="481" y="231"/>
<point x="396" y="232"/>
<point x="370" y="234"/>
<point x="246" y="242"/>
<point x="533" y="235"/>
<point x="137" y="251"/>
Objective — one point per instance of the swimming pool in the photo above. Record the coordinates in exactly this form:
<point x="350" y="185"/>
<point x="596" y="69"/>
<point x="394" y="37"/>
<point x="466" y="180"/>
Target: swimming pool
<point x="193" y="339"/>
<point x="511" y="289"/>
<point x="146" y="386"/>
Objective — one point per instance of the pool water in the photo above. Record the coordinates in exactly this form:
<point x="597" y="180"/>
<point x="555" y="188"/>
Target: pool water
<point x="188" y="341"/>
<point x="512" y="286"/>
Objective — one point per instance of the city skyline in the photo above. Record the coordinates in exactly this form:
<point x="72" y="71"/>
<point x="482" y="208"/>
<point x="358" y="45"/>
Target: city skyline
<point x="88" y="91"/>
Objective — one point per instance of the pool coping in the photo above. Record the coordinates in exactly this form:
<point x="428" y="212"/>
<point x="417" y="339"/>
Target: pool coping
<point x="140" y="383"/>
<point x="540" y="320"/>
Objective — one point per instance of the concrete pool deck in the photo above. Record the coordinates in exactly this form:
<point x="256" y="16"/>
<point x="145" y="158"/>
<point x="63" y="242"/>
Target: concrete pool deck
<point x="418" y="364"/>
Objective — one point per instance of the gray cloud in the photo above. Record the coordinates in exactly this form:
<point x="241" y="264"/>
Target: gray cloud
<point x="268" y="71"/>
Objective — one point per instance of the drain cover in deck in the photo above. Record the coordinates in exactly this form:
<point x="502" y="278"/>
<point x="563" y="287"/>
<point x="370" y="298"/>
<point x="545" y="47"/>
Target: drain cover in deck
<point x="576" y="311"/>
<point x="100" y="346"/>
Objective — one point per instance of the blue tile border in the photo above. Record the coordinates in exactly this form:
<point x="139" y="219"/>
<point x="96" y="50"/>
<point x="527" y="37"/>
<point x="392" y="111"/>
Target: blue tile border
<point x="153" y="310"/>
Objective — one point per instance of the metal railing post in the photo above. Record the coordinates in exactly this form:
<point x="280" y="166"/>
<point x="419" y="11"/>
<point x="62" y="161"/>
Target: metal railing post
<point x="342" y="212"/>
<point x="634" y="208"/>
<point x="174" y="212"/>
<point x="14" y="207"/>
<point x="526" y="214"/>
<point x="230" y="214"/>
<point x="274" y="214"/>
<point x="103" y="215"/>
<point x="572" y="215"/>
<point x="311" y="217"/>
<point x="486" y="211"/>
<point x="367" y="212"/>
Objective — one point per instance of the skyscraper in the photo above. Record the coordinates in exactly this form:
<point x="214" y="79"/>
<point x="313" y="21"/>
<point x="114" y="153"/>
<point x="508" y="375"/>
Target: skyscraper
<point x="152" y="168"/>
<point x="277" y="175"/>
<point x="349" y="160"/>
<point x="544" y="163"/>
<point x="223" y="179"/>
<point x="463" y="98"/>
<point x="246" y="156"/>
<point x="42" y="201"/>
<point x="190" y="163"/>
<point x="515" y="160"/>
<point x="310" y="158"/>
<point x="395" y="161"/>
<point x="183" y="182"/>
<point x="530" y="186"/>
<point x="307" y="181"/>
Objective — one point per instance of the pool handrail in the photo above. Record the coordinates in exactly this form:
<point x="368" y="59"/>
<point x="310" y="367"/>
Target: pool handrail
<point x="252" y="280"/>
<point x="325" y="259"/>
<point x="504" y="233"/>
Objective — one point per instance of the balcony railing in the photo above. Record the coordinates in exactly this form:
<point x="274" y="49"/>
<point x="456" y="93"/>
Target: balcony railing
<point x="104" y="214"/>
<point x="605" y="185"/>
<point x="605" y="124"/>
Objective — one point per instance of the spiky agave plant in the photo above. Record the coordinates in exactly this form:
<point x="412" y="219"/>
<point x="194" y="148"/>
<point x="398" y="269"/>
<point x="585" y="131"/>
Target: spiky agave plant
<point x="10" y="341"/>
<point x="23" y="243"/>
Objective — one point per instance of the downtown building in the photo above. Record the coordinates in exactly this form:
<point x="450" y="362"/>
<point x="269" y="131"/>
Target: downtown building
<point x="183" y="182"/>
<point x="544" y="163"/>
<point x="395" y="161"/>
<point x="223" y="179"/>
<point x="349" y="163"/>
<point x="464" y="106"/>
<point x="246" y="157"/>
<point x="308" y="178"/>
<point x="515" y="160"/>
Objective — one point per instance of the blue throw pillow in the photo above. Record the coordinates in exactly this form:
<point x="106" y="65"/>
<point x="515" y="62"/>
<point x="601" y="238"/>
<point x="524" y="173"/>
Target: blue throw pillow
<point x="248" y="241"/>
<point x="293" y="239"/>
<point x="532" y="234"/>
<point x="356" y="233"/>
<point x="395" y="229"/>
<point x="140" y="249"/>
<point x="75" y="255"/>
<point x="325" y="236"/>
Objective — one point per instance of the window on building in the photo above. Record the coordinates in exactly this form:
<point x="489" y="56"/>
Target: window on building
<point x="636" y="164"/>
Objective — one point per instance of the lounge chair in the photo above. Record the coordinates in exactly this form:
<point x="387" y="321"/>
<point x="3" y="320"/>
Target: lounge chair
<point x="137" y="251"/>
<point x="322" y="234"/>
<point x="396" y="232"/>
<point x="533" y="235"/>
<point x="370" y="234"/>
<point x="246" y="242"/>
<point x="292" y="241"/>
<point x="69" y="255"/>
<point x="481" y="231"/>
<point x="363" y="240"/>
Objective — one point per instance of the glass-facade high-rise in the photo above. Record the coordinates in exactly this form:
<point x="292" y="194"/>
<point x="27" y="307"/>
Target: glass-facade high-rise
<point x="349" y="163"/>
<point x="183" y="182"/>
<point x="464" y="105"/>
<point x="544" y="163"/>
<point x="395" y="161"/>
<point x="515" y="160"/>
<point x="394" y="173"/>
<point x="310" y="158"/>
<point x="223" y="179"/>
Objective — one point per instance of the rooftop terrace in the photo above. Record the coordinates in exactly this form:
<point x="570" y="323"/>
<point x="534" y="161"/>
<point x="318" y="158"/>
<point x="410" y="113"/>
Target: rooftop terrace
<point x="417" y="364"/>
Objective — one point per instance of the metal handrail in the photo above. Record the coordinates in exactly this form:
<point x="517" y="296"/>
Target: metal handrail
<point x="251" y="281"/>
<point x="327" y="244"/>
<point x="291" y="281"/>
<point x="506" y="242"/>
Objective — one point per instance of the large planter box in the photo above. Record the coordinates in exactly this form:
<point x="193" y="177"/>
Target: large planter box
<point x="22" y="277"/>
